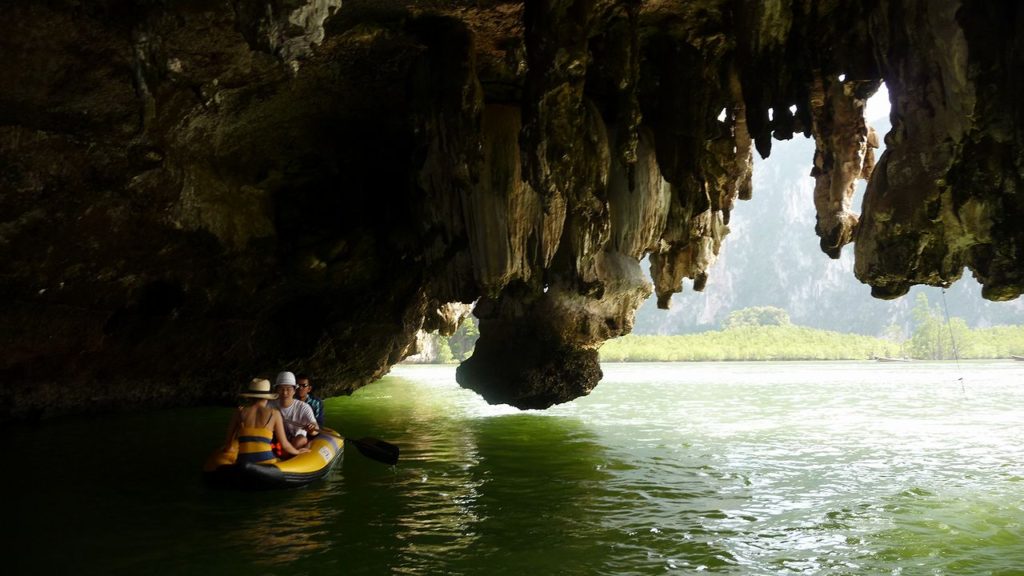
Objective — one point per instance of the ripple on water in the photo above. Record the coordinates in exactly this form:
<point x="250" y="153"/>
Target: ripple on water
<point x="798" y="468"/>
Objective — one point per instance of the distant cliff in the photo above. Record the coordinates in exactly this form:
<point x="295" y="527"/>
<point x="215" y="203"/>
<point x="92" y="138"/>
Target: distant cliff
<point x="770" y="258"/>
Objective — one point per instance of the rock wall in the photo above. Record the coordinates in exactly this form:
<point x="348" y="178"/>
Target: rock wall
<point x="196" y="193"/>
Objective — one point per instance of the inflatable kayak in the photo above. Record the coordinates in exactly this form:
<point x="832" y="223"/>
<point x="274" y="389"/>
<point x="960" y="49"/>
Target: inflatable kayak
<point x="326" y="450"/>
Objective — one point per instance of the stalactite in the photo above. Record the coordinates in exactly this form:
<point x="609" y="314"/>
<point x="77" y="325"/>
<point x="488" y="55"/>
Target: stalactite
<point x="312" y="184"/>
<point x="501" y="211"/>
<point x="843" y="154"/>
<point x="707" y="161"/>
<point x="447" y="114"/>
<point x="638" y="208"/>
<point x="556" y="33"/>
<point x="909" y="228"/>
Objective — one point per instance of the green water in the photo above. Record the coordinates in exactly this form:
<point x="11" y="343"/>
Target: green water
<point x="731" y="468"/>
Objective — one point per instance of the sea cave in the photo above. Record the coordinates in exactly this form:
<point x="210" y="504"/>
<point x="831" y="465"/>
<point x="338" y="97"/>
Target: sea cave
<point x="193" y="193"/>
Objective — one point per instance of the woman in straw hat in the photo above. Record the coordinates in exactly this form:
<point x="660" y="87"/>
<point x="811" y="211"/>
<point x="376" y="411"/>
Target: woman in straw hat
<point x="255" y="424"/>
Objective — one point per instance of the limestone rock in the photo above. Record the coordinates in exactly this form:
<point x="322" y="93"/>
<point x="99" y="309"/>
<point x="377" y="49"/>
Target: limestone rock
<point x="196" y="193"/>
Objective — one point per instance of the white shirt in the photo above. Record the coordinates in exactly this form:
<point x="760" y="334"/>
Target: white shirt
<point x="296" y="417"/>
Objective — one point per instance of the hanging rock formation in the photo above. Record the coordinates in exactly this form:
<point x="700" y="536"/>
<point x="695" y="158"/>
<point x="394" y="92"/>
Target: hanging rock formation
<point x="195" y="193"/>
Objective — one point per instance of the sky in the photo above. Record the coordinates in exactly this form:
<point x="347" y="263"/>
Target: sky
<point x="878" y="105"/>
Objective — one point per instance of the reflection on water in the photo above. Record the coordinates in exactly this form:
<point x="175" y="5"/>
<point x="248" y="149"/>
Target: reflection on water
<point x="760" y="468"/>
<point x="283" y="529"/>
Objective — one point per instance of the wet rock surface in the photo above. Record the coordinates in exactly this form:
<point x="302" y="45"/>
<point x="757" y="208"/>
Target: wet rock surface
<point x="196" y="193"/>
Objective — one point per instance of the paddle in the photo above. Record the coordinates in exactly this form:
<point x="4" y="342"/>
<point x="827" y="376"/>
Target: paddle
<point x="376" y="449"/>
<point x="372" y="448"/>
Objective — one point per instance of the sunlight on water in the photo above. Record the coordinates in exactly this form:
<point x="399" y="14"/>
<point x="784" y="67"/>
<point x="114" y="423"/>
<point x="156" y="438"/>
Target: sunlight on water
<point x="724" y="468"/>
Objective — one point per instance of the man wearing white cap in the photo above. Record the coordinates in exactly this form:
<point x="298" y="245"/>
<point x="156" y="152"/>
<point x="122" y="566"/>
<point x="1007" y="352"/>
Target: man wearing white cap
<point x="299" y="421"/>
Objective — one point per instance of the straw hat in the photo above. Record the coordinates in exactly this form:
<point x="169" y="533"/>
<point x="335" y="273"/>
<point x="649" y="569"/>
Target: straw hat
<point x="259" y="388"/>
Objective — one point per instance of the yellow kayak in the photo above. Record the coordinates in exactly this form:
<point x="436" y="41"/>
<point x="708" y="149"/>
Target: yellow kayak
<point x="326" y="450"/>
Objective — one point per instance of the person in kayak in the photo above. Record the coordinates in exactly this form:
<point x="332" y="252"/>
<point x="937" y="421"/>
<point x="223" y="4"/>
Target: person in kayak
<point x="304" y="389"/>
<point x="299" y="421"/>
<point x="255" y="424"/>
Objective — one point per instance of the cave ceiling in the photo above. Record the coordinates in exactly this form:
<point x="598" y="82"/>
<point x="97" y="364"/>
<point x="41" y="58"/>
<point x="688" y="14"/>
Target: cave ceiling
<point x="193" y="193"/>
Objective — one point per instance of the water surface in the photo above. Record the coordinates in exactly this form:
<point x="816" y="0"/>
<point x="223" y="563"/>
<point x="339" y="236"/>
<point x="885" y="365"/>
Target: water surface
<point x="724" y="468"/>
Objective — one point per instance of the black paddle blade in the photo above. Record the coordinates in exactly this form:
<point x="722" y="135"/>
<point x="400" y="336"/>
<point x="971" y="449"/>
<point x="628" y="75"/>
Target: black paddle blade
<point x="376" y="449"/>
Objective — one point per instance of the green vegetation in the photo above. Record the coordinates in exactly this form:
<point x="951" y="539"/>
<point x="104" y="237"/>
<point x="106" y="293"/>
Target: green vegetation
<point x="458" y="346"/>
<point x="936" y="339"/>
<point x="932" y="338"/>
<point x="748" y="343"/>
<point x="766" y="333"/>
<point x="462" y="342"/>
